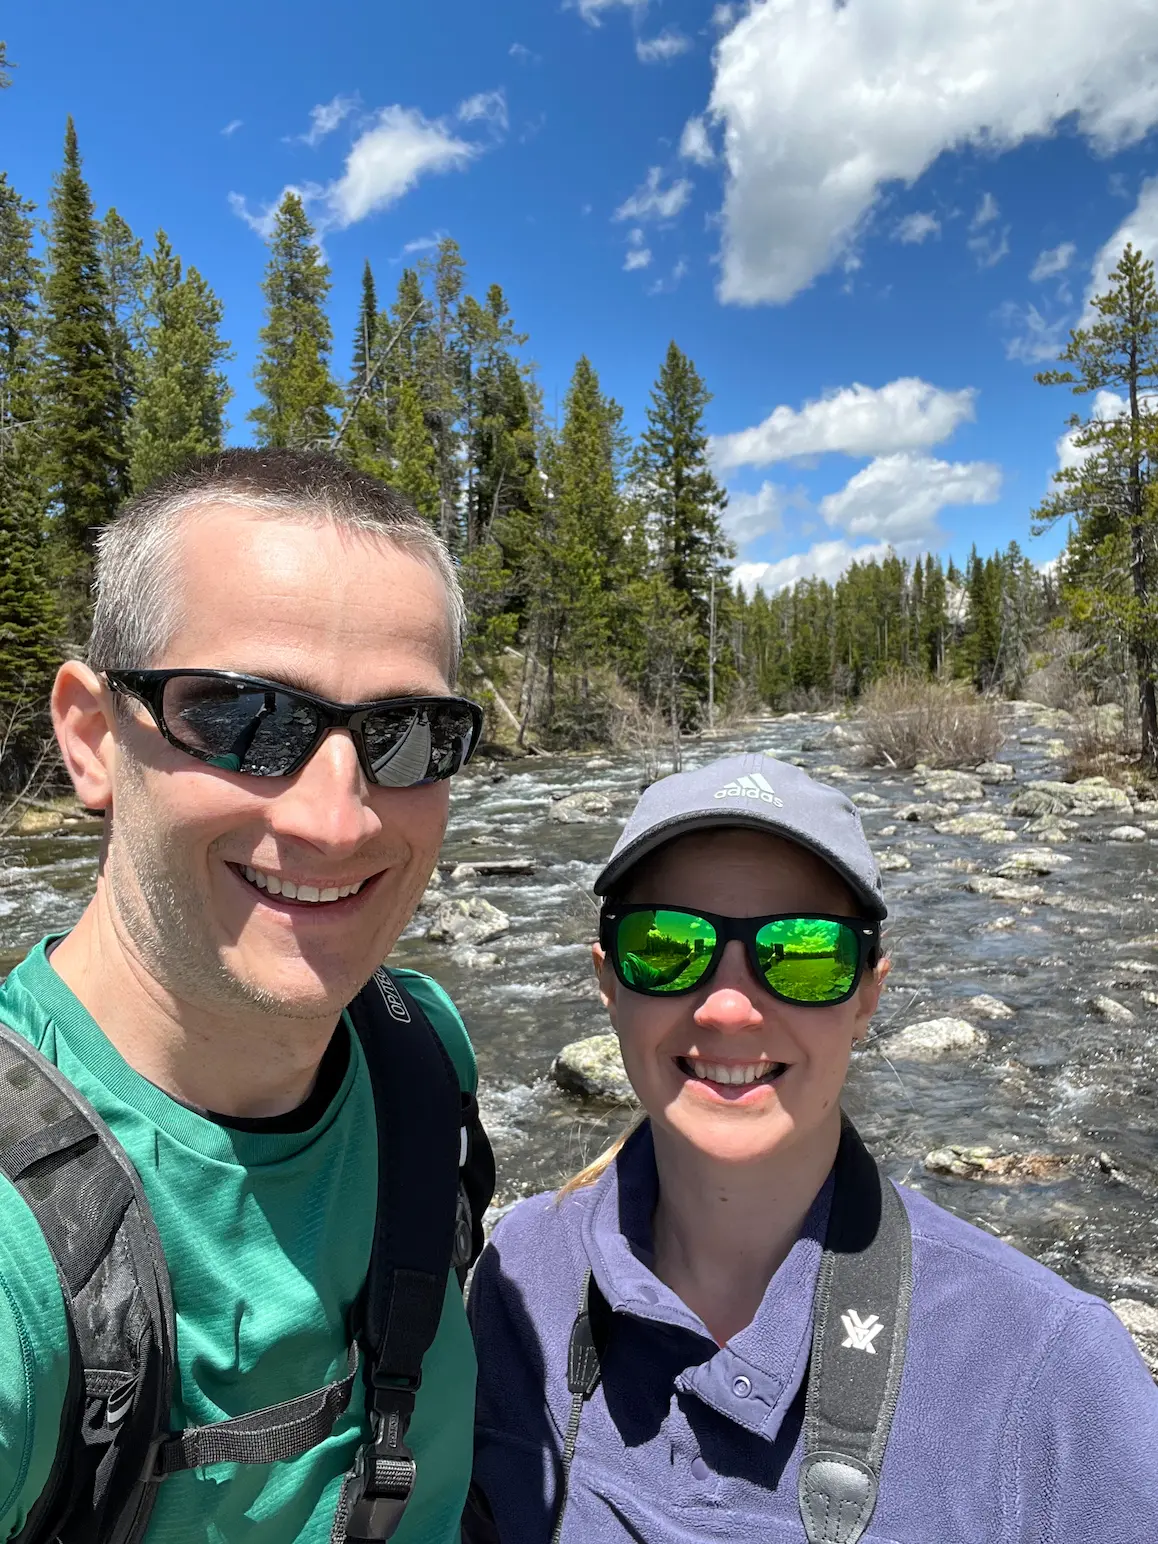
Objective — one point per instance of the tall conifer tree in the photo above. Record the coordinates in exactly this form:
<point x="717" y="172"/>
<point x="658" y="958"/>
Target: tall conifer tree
<point x="84" y="400"/>
<point x="366" y="442"/>
<point x="123" y="265"/>
<point x="293" y="371"/>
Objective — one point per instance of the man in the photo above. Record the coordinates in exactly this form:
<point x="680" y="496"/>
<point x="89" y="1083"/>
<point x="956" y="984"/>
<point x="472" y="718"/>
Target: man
<point x="261" y="855"/>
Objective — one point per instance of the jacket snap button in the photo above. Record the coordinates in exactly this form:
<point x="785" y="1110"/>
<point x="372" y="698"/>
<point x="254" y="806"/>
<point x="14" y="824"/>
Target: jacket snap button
<point x="741" y="1387"/>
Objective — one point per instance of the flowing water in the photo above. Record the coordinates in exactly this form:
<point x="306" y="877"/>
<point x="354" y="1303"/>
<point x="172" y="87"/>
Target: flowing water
<point x="1057" y="1077"/>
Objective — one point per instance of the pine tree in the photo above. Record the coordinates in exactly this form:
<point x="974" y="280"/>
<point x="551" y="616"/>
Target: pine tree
<point x="1111" y="495"/>
<point x="293" y="372"/>
<point x="123" y="265"/>
<point x="180" y="410"/>
<point x="366" y="441"/>
<point x="443" y="371"/>
<point x="84" y="406"/>
<point x="5" y="65"/>
<point x="30" y="626"/>
<point x="414" y="471"/>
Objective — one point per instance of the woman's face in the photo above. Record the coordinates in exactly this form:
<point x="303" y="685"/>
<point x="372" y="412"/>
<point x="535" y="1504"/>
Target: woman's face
<point x="732" y="1021"/>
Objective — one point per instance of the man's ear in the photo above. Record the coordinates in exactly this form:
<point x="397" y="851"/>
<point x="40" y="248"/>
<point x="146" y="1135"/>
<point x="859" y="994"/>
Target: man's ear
<point x="82" y="716"/>
<point x="605" y="977"/>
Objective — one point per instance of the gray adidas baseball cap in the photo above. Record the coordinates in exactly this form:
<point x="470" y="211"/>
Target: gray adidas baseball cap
<point x="757" y="791"/>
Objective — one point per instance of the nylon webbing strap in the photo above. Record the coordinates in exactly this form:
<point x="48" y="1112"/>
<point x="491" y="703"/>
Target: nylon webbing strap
<point x="418" y="1111"/>
<point x="860" y="1327"/>
<point x="583" y="1374"/>
<point x="264" y="1436"/>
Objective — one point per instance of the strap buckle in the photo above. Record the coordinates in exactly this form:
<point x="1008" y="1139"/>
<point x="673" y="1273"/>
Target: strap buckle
<point x="382" y="1480"/>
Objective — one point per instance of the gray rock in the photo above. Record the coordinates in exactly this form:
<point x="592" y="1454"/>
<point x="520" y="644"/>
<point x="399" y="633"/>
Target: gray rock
<point x="925" y="811"/>
<point x="1088" y="796"/>
<point x="1031" y="860"/>
<point x="934" y="1038"/>
<point x="1141" y="1319"/>
<point x="997" y="835"/>
<point x="1126" y="834"/>
<point x="1039" y="801"/>
<point x="986" y="1163"/>
<point x="1004" y="889"/>
<point x="987" y="1007"/>
<point x="462" y="873"/>
<point x="964" y="787"/>
<point x="837" y="738"/>
<point x="976" y="823"/>
<point x="470" y="922"/>
<point x="593" y="1068"/>
<point x="467" y="958"/>
<point x="865" y="800"/>
<point x="1109" y="1008"/>
<point x="887" y="831"/>
<point x="995" y="772"/>
<point x="892" y="862"/>
<point x="582" y="808"/>
<point x="1051" y="829"/>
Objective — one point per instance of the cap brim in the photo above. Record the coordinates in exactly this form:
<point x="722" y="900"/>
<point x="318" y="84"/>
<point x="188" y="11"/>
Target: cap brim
<point x="667" y="830"/>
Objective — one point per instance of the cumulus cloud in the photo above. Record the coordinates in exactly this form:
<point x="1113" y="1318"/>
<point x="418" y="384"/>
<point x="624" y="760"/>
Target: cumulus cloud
<point x="485" y="107"/>
<point x="1052" y="262"/>
<point x="824" y="105"/>
<point x="825" y="560"/>
<point x="749" y="516"/>
<point x="666" y="45"/>
<point x="1106" y="405"/>
<point x="326" y="117"/>
<point x="387" y="160"/>
<point x="653" y="201"/>
<point x="916" y="228"/>
<point x="695" y="144"/>
<point x="897" y="498"/>
<point x="1139" y="228"/>
<point x="906" y="414"/>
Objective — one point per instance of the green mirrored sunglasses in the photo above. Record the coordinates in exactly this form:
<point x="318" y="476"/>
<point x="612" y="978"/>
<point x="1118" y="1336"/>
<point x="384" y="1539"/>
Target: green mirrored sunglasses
<point x="662" y="951"/>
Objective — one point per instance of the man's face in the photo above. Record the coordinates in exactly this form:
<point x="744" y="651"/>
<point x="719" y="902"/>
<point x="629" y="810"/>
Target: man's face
<point x="349" y="617"/>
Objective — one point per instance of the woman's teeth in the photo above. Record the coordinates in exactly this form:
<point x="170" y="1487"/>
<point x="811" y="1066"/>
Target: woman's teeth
<point x="286" y="887"/>
<point x="752" y="1072"/>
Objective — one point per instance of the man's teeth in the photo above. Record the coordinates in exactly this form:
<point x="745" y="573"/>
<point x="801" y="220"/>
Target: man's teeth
<point x="711" y="1072"/>
<point x="292" y="892"/>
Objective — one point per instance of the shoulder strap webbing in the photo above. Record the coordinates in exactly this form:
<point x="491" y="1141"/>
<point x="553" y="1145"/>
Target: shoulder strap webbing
<point x="860" y="1328"/>
<point x="87" y="1198"/>
<point x="418" y="1109"/>
<point x="589" y="1336"/>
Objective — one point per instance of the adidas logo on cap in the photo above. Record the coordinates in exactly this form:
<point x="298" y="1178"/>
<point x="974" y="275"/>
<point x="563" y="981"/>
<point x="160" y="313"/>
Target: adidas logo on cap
<point x="752" y="785"/>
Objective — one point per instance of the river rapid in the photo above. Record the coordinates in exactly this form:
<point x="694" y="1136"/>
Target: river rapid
<point x="1071" y="1072"/>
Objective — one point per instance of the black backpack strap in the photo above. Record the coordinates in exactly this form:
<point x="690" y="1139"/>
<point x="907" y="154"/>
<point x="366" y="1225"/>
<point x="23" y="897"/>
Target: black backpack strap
<point x="419" y="1112"/>
<point x="589" y="1336"/>
<point x="88" y="1200"/>
<point x="860" y="1328"/>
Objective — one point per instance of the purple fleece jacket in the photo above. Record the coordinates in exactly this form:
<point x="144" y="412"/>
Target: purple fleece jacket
<point x="1026" y="1415"/>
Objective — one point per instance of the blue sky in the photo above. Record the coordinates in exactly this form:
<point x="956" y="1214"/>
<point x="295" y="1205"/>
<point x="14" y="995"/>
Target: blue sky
<point x="867" y="222"/>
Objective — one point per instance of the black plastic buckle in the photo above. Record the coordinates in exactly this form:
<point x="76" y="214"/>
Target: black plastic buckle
<point x="381" y="1484"/>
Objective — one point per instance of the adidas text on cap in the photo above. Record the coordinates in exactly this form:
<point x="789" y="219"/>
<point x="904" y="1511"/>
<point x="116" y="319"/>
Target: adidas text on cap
<point x="758" y="791"/>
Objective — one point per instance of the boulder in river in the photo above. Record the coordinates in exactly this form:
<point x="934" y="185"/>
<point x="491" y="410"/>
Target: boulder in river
<point x="593" y="1068"/>
<point x="470" y="921"/>
<point x="582" y="808"/>
<point x="933" y="1038"/>
<point x="893" y="862"/>
<point x="987" y="1007"/>
<point x="1004" y="889"/>
<point x="985" y="1163"/>
<point x="1126" y="834"/>
<point x="923" y="810"/>
<point x="995" y="772"/>
<point x="975" y="823"/>
<point x="1031" y="860"/>
<point x="1141" y="1319"/>
<point x="1088" y="796"/>
<point x="1110" y="1009"/>
<point x="964" y="787"/>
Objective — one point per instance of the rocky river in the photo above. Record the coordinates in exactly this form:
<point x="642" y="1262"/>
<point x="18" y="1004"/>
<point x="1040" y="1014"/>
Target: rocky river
<point x="1013" y="1075"/>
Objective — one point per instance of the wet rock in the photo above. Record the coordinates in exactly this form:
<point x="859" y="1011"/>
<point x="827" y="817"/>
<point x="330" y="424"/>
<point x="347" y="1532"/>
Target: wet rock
<point x="1150" y="999"/>
<point x="987" y="1007"/>
<point x="964" y="787"/>
<point x="925" y="811"/>
<point x="997" y="835"/>
<point x="1112" y="1010"/>
<point x="38" y="822"/>
<point x="432" y="896"/>
<point x="467" y="958"/>
<point x="1004" y="889"/>
<point x="1146" y="809"/>
<point x="985" y="1163"/>
<point x="1126" y="834"/>
<point x="582" y="808"/>
<point x="1040" y="801"/>
<point x="1141" y="1319"/>
<point x="462" y="873"/>
<point x="995" y="772"/>
<point x="837" y="738"/>
<point x="998" y="925"/>
<point x="467" y="922"/>
<point x="868" y="801"/>
<point x="600" y="764"/>
<point x="893" y="862"/>
<point x="934" y="1038"/>
<point x="491" y="867"/>
<point x="1052" y="831"/>
<point x="888" y="831"/>
<point x="593" y="1068"/>
<point x="976" y="823"/>
<point x="1031" y="860"/>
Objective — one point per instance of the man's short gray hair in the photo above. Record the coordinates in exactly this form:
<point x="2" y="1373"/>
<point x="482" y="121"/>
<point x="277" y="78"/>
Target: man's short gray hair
<point x="136" y="585"/>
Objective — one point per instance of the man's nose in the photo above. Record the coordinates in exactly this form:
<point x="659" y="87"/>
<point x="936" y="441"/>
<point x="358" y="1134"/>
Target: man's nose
<point x="327" y="803"/>
<point x="734" y="996"/>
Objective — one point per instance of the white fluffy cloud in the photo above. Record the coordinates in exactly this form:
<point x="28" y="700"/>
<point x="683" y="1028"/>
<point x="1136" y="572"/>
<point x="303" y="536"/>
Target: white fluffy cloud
<point x="825" y="560"/>
<point x="387" y="160"/>
<point x="1052" y="262"/>
<point x="695" y="144"/>
<point x="907" y="414"/>
<point x="916" y="228"/>
<point x="653" y="201"/>
<point x="327" y="116"/>
<point x="1139" y="228"/>
<point x="897" y="498"/>
<point x="668" y="44"/>
<point x="752" y="515"/>
<point x="1106" y="405"/>
<point x="824" y="104"/>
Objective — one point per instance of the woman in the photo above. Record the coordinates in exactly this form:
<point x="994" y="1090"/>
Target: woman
<point x="730" y="1328"/>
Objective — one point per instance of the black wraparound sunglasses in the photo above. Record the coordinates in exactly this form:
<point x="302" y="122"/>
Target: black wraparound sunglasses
<point x="243" y="723"/>
<point x="803" y="958"/>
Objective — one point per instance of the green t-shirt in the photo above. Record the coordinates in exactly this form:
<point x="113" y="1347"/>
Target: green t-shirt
<point x="267" y="1239"/>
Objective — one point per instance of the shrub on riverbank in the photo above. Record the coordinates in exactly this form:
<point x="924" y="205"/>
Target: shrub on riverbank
<point x="904" y="720"/>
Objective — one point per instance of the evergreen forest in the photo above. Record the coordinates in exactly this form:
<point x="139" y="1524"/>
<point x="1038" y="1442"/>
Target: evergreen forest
<point x="597" y="565"/>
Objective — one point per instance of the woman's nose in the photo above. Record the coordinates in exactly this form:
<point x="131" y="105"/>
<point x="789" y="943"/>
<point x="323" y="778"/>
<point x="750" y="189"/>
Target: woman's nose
<point x="734" y="996"/>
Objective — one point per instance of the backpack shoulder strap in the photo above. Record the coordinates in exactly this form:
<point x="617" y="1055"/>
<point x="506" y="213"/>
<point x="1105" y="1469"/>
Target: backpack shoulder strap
<point x="422" y="1140"/>
<point x="88" y="1200"/>
<point x="860" y="1328"/>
